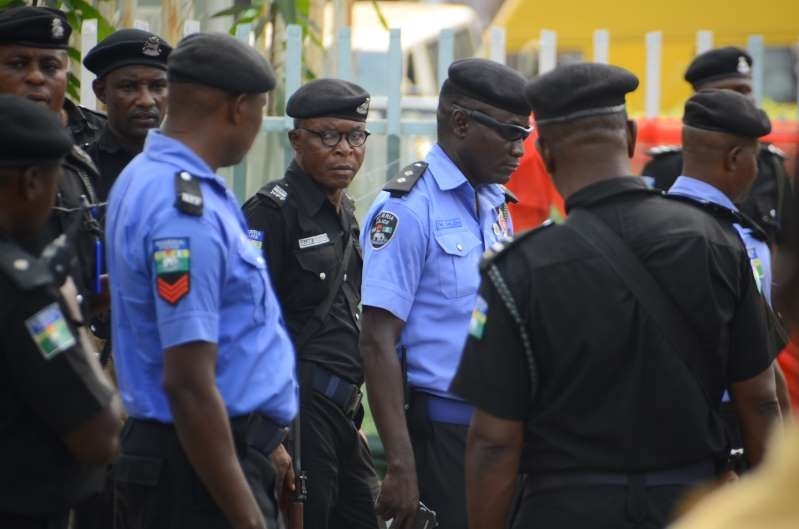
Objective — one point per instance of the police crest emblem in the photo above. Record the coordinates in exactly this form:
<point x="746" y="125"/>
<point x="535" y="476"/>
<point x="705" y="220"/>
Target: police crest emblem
<point x="363" y="108"/>
<point x="56" y="28"/>
<point x="743" y="66"/>
<point x="384" y="226"/>
<point x="151" y="47"/>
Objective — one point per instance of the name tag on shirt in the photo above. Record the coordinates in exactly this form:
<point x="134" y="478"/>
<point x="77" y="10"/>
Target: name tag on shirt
<point x="448" y="224"/>
<point x="316" y="240"/>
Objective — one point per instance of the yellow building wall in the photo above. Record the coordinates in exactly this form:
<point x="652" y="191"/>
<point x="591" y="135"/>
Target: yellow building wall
<point x="731" y="21"/>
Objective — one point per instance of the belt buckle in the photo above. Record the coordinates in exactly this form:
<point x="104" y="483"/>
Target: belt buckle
<point x="355" y="401"/>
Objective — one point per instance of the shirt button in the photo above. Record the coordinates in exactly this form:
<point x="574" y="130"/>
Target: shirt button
<point x="357" y="316"/>
<point x="459" y="247"/>
<point x="322" y="276"/>
<point x="345" y="277"/>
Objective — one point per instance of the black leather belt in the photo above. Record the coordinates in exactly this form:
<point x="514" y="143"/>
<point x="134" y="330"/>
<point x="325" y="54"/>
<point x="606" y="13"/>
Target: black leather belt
<point x="344" y="394"/>
<point x="685" y="475"/>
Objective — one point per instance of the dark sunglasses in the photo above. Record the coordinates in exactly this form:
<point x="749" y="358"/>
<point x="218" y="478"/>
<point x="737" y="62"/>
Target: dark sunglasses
<point x="331" y="138"/>
<point x="508" y="131"/>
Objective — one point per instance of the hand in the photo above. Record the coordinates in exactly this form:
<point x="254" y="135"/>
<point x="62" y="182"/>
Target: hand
<point x="729" y="476"/>
<point x="399" y="497"/>
<point x="284" y="480"/>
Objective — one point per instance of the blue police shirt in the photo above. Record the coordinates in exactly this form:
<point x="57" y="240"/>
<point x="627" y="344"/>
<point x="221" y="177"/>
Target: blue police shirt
<point x="421" y="263"/>
<point x="178" y="278"/>
<point x="758" y="251"/>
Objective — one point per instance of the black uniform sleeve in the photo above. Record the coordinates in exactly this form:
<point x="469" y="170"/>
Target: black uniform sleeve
<point x="749" y="342"/>
<point x="268" y="220"/>
<point x="49" y="367"/>
<point x="493" y="374"/>
<point x="664" y="169"/>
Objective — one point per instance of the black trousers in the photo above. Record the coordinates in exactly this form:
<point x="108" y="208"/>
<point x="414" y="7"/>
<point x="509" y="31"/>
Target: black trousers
<point x="16" y="521"/>
<point x="156" y="487"/>
<point x="342" y="483"/>
<point x="599" y="507"/>
<point x="439" y="450"/>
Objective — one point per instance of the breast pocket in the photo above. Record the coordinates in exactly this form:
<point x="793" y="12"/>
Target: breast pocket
<point x="254" y="267"/>
<point x="319" y="266"/>
<point x="458" y="271"/>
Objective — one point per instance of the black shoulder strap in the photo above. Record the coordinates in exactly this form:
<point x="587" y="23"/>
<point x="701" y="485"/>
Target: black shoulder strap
<point x="275" y="193"/>
<point x="651" y="296"/>
<point x="24" y="270"/>
<point x="188" y="195"/>
<point x="510" y="196"/>
<point x="323" y="309"/>
<point x="402" y="184"/>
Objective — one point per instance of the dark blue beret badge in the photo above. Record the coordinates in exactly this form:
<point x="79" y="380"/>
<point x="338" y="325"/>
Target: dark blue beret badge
<point x="383" y="228"/>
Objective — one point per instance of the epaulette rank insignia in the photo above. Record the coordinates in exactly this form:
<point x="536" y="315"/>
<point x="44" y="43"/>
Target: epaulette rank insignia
<point x="404" y="182"/>
<point x="660" y="150"/>
<point x="510" y="196"/>
<point x="189" y="196"/>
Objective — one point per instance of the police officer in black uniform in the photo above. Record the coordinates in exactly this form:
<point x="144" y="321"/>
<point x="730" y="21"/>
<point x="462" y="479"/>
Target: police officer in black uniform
<point x="730" y="68"/>
<point x="305" y="223"/>
<point x="576" y="351"/>
<point x="33" y="44"/>
<point x="83" y="123"/>
<point x="60" y="421"/>
<point x="130" y="66"/>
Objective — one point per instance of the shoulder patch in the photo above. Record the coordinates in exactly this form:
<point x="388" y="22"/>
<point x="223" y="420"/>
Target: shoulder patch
<point x="773" y="149"/>
<point x="510" y="196"/>
<point x="172" y="258"/>
<point x="384" y="226"/>
<point x="188" y="195"/>
<point x="256" y="238"/>
<point x="500" y="248"/>
<point x="661" y="150"/>
<point x="276" y="192"/>
<point x="24" y="270"/>
<point x="49" y="330"/>
<point x="404" y="182"/>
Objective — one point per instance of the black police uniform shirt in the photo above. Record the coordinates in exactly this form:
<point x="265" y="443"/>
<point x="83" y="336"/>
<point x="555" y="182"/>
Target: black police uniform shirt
<point x="48" y="387"/>
<point x="611" y="395"/>
<point x="85" y="125"/>
<point x="68" y="217"/>
<point x="303" y="241"/>
<point x="765" y="201"/>
<point x="110" y="158"/>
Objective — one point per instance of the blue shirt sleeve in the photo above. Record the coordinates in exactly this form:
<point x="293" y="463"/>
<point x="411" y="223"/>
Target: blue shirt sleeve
<point x="393" y="260"/>
<point x="187" y="264"/>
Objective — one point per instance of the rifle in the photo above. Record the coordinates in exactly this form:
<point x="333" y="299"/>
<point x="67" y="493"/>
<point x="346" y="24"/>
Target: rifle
<point x="296" y="509"/>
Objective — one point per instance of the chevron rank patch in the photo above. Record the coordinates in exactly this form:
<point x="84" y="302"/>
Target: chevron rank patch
<point x="49" y="331"/>
<point x="172" y="258"/>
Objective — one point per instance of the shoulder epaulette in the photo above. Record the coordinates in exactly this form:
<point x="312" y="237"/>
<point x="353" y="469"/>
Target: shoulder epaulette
<point x="660" y="150"/>
<point x="757" y="231"/>
<point x="404" y="182"/>
<point x="275" y="192"/>
<point x="711" y="207"/>
<point x="188" y="195"/>
<point x="510" y="196"/>
<point x="499" y="249"/>
<point x="93" y="113"/>
<point x="773" y="149"/>
<point x="24" y="270"/>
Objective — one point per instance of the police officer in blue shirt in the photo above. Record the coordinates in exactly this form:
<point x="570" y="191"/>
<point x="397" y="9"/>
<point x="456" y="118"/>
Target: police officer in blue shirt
<point x="426" y="233"/>
<point x="204" y="363"/>
<point x="720" y="153"/>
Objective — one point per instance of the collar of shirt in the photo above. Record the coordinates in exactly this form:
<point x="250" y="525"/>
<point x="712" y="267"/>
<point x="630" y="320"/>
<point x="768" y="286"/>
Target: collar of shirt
<point x="107" y="141"/>
<point x="697" y="189"/>
<point x="308" y="194"/>
<point x="606" y="189"/>
<point x="162" y="148"/>
<point x="449" y="177"/>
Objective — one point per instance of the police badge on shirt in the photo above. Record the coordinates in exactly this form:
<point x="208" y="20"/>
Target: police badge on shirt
<point x="384" y="226"/>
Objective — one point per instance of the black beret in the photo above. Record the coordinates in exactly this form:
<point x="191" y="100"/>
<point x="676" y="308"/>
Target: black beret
<point x="582" y="90"/>
<point x="490" y="82"/>
<point x="721" y="63"/>
<point x="30" y="133"/>
<point x="37" y="27"/>
<point x="220" y="61"/>
<point x="332" y="98"/>
<point x="127" y="47"/>
<point x="726" y="111"/>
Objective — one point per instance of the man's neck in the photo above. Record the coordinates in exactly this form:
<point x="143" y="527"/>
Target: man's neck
<point x="131" y="145"/>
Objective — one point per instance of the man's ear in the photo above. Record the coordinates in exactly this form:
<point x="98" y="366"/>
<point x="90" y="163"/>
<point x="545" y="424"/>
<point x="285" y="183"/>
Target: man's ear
<point x="632" y="137"/>
<point x="546" y="155"/>
<point x="294" y="138"/>
<point x="458" y="122"/>
<point x="29" y="183"/>
<point x="236" y="109"/>
<point x="98" y="87"/>
<point x="731" y="159"/>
